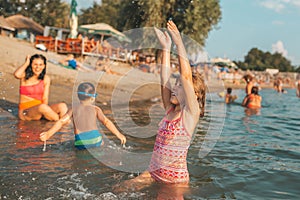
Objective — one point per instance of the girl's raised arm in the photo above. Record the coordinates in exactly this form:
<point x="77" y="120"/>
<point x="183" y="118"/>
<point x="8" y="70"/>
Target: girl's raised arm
<point x="165" y="71"/>
<point x="20" y="72"/>
<point x="191" y="102"/>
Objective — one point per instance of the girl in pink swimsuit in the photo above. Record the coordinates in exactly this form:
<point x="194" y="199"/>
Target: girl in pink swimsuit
<point x="184" y="104"/>
<point x="34" y="91"/>
<point x="168" y="163"/>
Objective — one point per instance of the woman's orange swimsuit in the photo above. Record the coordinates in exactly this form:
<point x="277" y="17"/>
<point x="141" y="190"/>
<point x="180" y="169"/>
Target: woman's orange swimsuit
<point x="254" y="101"/>
<point x="168" y="162"/>
<point x="34" y="91"/>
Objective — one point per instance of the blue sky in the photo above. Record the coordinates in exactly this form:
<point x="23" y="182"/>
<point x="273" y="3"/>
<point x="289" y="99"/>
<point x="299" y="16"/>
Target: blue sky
<point x="269" y="25"/>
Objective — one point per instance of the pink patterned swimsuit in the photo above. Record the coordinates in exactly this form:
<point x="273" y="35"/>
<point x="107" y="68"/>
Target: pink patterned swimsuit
<point x="168" y="162"/>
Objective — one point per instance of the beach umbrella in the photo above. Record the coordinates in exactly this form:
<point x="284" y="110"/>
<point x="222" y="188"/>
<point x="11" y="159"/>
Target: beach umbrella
<point x="223" y="62"/>
<point x="73" y="20"/>
<point x="104" y="30"/>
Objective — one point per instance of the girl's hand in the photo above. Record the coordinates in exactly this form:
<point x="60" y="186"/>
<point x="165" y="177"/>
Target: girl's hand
<point x="27" y="60"/>
<point x="172" y="28"/>
<point x="44" y="136"/>
<point x="164" y="39"/>
<point x="122" y="138"/>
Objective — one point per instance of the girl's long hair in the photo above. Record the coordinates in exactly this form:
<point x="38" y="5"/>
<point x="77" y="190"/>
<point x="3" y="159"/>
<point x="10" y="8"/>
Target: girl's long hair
<point x="200" y="90"/>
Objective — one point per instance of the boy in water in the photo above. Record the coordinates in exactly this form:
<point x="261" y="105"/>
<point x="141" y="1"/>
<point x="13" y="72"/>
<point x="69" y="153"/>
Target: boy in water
<point x="84" y="117"/>
<point x="228" y="97"/>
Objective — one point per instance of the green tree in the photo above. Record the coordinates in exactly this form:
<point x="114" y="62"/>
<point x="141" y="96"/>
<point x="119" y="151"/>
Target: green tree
<point x="9" y="7"/>
<point x="56" y="13"/>
<point x="51" y="13"/>
<point x="195" y="18"/>
<point x="107" y="12"/>
<point x="260" y="61"/>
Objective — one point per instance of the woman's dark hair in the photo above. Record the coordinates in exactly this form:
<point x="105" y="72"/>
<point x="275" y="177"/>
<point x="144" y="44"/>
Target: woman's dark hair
<point x="200" y="90"/>
<point x="254" y="90"/>
<point x="87" y="88"/>
<point x="28" y="70"/>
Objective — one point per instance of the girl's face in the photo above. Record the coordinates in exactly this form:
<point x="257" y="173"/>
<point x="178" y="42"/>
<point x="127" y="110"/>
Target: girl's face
<point x="37" y="66"/>
<point x="177" y="94"/>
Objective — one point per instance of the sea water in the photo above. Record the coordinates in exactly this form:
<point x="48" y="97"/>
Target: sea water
<point x="254" y="155"/>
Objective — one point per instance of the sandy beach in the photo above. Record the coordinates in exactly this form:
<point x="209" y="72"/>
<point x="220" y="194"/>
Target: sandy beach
<point x="130" y="81"/>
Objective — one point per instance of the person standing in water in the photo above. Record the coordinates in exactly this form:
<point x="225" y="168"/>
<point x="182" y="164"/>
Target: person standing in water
<point x="34" y="91"/>
<point x="183" y="103"/>
<point x="298" y="89"/>
<point x="253" y="100"/>
<point x="249" y="83"/>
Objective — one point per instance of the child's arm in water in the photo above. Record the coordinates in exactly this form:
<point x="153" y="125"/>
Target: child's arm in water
<point x="56" y="127"/>
<point x="109" y="125"/>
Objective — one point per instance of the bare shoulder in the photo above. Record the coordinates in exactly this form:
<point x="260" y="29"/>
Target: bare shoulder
<point x="47" y="79"/>
<point x="98" y="109"/>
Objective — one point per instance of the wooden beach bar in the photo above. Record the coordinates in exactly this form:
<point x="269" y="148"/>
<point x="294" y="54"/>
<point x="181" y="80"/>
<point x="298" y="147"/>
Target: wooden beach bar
<point x="106" y="46"/>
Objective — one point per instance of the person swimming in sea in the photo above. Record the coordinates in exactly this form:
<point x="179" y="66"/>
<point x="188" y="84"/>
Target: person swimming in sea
<point x="84" y="117"/>
<point x="253" y="100"/>
<point x="229" y="98"/>
<point x="34" y="91"/>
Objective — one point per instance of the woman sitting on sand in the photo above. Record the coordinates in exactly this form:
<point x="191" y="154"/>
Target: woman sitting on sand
<point x="253" y="100"/>
<point x="34" y="91"/>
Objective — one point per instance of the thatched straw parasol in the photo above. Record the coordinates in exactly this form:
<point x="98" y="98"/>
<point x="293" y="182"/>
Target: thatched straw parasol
<point x="22" y="22"/>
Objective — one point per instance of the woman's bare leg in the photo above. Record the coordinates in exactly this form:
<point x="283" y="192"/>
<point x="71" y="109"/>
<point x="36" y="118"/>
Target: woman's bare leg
<point x="37" y="112"/>
<point x="30" y="114"/>
<point x="51" y="113"/>
<point x="60" y="108"/>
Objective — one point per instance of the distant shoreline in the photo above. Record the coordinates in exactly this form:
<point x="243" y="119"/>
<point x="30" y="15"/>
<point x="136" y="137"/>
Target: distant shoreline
<point x="13" y="52"/>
